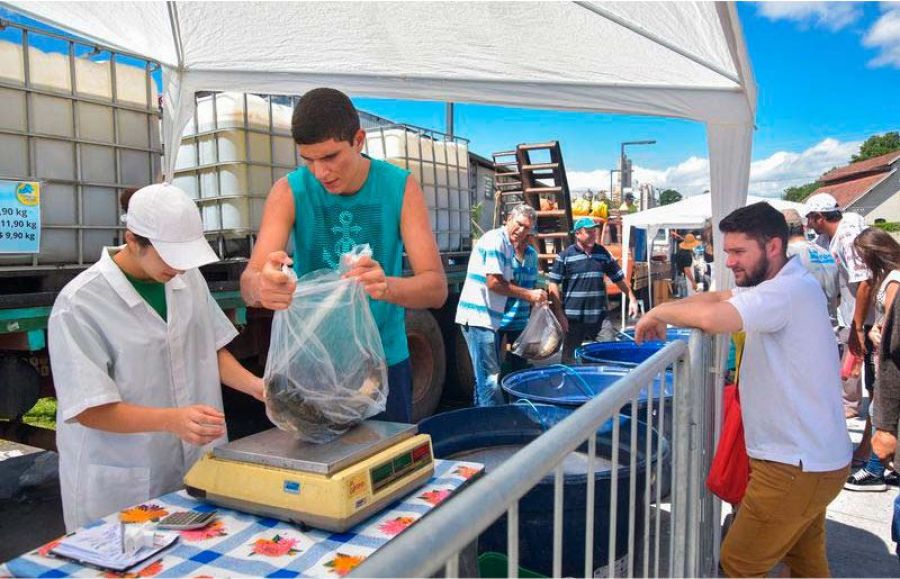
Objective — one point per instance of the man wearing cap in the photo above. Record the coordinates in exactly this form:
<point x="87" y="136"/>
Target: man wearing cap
<point x="837" y="231"/>
<point x="817" y="261"/>
<point x="577" y="289"/>
<point x="490" y="285"/>
<point x="137" y="350"/>
<point x="628" y="205"/>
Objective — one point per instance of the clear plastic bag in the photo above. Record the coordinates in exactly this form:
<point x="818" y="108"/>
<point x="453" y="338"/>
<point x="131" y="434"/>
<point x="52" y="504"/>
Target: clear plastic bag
<point x="326" y="368"/>
<point x="542" y="336"/>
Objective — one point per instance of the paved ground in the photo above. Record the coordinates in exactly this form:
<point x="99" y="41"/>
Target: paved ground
<point x="858" y="528"/>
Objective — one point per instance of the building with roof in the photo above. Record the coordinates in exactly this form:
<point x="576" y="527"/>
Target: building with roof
<point x="870" y="188"/>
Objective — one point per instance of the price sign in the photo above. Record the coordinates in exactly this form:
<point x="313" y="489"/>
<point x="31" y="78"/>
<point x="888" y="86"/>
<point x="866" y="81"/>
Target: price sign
<point x="20" y="217"/>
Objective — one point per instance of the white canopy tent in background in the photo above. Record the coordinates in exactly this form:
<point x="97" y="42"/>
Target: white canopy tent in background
<point x="689" y="213"/>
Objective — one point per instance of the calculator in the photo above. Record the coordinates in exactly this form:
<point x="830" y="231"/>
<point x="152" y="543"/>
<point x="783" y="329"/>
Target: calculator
<point x="186" y="520"/>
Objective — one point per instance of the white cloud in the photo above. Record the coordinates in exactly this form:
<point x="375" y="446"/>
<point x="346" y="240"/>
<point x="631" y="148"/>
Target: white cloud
<point x="829" y="15"/>
<point x="769" y="177"/>
<point x="885" y="36"/>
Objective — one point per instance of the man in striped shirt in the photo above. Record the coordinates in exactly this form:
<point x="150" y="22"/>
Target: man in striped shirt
<point x="577" y="290"/>
<point x="489" y="284"/>
<point x="517" y="312"/>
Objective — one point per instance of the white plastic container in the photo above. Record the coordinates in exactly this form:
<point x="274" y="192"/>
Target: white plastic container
<point x="88" y="197"/>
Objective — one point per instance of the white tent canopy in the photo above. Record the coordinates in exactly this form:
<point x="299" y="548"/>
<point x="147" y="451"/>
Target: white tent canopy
<point x="689" y="213"/>
<point x="684" y="59"/>
<point x="673" y="59"/>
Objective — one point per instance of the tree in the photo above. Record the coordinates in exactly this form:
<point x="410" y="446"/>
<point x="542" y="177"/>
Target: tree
<point x="800" y="192"/>
<point x="877" y="145"/>
<point x="669" y="196"/>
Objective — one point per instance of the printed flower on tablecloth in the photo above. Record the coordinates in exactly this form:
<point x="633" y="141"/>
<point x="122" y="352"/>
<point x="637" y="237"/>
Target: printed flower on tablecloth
<point x="45" y="550"/>
<point x="395" y="526"/>
<point x="210" y="531"/>
<point x="148" y="571"/>
<point x="436" y="496"/>
<point x="277" y="546"/>
<point x="343" y="564"/>
<point x="143" y="514"/>
<point x="466" y="472"/>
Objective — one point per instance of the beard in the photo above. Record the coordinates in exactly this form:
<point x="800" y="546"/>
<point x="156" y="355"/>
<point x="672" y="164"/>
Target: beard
<point x="756" y="275"/>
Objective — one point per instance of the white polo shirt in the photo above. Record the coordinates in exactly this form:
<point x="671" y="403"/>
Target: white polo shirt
<point x="790" y="373"/>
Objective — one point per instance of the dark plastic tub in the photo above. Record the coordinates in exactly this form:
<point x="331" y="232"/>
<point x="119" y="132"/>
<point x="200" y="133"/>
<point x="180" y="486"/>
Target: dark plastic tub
<point x="491" y="434"/>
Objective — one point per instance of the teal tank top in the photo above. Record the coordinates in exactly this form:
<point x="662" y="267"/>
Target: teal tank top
<point x="328" y="225"/>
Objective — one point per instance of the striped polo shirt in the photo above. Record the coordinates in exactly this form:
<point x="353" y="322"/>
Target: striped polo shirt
<point x="492" y="255"/>
<point x="525" y="274"/>
<point x="581" y="279"/>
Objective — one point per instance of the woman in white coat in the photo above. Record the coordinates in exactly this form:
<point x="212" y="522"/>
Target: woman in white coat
<point x="137" y="349"/>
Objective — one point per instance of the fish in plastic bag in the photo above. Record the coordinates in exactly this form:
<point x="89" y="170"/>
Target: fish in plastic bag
<point x="326" y="369"/>
<point x="542" y="336"/>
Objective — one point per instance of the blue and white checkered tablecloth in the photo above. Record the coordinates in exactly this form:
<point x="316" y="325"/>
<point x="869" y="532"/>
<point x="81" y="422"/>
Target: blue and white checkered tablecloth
<point x="242" y="545"/>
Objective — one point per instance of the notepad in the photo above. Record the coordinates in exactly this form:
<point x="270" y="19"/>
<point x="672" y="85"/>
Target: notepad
<point x="102" y="546"/>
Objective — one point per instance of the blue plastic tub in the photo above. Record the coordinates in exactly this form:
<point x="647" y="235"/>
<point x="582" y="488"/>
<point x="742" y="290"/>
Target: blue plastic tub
<point x="492" y="434"/>
<point x="627" y="354"/>
<point x="672" y="334"/>
<point x="572" y="386"/>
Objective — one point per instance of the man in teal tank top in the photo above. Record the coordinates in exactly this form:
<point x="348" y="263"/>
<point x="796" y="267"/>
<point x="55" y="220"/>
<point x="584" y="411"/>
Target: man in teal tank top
<point x="340" y="199"/>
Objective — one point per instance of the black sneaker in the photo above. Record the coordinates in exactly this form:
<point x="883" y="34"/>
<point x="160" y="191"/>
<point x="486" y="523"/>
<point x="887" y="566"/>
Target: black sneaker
<point x="864" y="481"/>
<point x="891" y="478"/>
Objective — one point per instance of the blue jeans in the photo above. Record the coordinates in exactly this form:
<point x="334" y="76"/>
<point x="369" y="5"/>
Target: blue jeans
<point x="895" y="526"/>
<point x="399" y="399"/>
<point x="484" y="350"/>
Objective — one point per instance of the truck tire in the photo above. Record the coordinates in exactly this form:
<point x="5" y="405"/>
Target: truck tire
<point x="464" y="373"/>
<point x="20" y="387"/>
<point x="428" y="361"/>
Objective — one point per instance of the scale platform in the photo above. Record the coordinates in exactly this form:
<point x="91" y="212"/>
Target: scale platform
<point x="331" y="486"/>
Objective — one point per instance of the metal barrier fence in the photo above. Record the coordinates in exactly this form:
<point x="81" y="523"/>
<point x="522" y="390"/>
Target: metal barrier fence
<point x="693" y="524"/>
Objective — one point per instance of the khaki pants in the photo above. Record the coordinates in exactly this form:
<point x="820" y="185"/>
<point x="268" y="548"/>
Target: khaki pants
<point x="782" y="518"/>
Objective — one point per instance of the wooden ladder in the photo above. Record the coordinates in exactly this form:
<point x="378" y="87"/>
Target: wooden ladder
<point x="530" y="179"/>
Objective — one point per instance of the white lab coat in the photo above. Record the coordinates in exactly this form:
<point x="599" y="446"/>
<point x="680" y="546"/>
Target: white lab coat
<point x="108" y="345"/>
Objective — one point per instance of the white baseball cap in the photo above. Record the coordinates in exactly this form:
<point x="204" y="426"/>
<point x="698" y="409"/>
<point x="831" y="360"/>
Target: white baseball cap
<point x="166" y="216"/>
<point x="820" y="203"/>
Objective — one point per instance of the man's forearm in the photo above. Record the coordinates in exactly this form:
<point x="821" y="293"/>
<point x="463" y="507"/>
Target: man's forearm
<point x="125" y="418"/>
<point x="250" y="286"/>
<point x="863" y="296"/>
<point x="508" y="288"/>
<point x="424" y="290"/>
<point x="712" y="314"/>
<point x="233" y="374"/>
<point x="625" y="289"/>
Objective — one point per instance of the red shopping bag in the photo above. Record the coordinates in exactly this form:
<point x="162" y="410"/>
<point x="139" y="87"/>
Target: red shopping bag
<point x="730" y="470"/>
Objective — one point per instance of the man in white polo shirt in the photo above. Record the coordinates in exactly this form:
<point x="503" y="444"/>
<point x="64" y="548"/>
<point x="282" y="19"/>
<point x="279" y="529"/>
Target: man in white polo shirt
<point x="790" y="395"/>
<point x="489" y="282"/>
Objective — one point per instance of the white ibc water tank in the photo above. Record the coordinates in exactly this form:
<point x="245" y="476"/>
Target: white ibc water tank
<point x="441" y="170"/>
<point x="86" y="146"/>
<point x="235" y="147"/>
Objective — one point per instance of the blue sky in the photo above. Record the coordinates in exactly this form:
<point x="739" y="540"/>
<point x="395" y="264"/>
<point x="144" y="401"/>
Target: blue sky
<point x="828" y="75"/>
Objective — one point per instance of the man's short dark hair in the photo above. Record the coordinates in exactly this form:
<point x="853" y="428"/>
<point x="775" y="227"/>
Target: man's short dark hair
<point x="759" y="221"/>
<point x="124" y="200"/>
<point x="832" y="216"/>
<point x="322" y="114"/>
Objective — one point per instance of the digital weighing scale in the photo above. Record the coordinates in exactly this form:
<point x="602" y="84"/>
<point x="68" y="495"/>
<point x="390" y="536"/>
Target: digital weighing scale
<point x="331" y="486"/>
